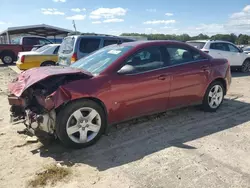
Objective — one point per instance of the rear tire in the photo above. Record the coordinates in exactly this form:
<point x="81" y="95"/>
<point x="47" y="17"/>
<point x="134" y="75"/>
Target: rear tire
<point x="79" y="130"/>
<point x="48" y="63"/>
<point x="8" y="58"/>
<point x="246" y="66"/>
<point x="214" y="96"/>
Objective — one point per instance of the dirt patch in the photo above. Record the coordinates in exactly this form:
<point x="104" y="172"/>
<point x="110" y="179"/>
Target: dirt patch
<point x="50" y="176"/>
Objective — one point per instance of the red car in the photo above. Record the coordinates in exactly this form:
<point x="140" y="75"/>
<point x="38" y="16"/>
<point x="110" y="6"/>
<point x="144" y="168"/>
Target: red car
<point x="114" y="84"/>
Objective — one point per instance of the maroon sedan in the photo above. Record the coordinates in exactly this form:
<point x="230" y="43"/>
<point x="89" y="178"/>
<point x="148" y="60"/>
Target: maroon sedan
<point x="114" y="84"/>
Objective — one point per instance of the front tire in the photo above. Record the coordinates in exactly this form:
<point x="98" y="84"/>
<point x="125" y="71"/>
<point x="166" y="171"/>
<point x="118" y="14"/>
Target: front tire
<point x="80" y="123"/>
<point x="246" y="66"/>
<point x="214" y="97"/>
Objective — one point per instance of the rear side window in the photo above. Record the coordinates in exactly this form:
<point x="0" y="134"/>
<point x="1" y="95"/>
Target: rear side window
<point x="179" y="55"/>
<point x="109" y="42"/>
<point x="67" y="45"/>
<point x="88" y="45"/>
<point x="198" y="45"/>
<point x="30" y="41"/>
<point x="127" y="40"/>
<point x="219" y="46"/>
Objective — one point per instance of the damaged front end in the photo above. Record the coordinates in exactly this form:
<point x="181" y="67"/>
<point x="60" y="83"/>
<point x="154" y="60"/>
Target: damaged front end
<point x="35" y="104"/>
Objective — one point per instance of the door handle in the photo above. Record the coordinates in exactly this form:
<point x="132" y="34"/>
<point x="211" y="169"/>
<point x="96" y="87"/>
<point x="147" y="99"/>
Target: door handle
<point x="162" y="77"/>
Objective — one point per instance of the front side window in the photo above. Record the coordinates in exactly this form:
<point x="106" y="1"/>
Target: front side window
<point x="233" y="48"/>
<point x="88" y="45"/>
<point x="146" y="60"/>
<point x="219" y="46"/>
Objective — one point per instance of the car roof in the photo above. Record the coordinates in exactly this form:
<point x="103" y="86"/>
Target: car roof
<point x="100" y="36"/>
<point x="148" y="42"/>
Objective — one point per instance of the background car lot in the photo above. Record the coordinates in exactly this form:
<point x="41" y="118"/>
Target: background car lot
<point x="180" y="148"/>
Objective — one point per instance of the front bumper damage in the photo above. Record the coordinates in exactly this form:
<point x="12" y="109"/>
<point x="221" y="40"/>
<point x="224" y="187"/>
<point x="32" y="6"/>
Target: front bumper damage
<point x="36" y="123"/>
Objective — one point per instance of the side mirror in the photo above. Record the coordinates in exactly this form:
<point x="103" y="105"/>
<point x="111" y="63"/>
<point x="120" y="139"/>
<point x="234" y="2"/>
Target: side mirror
<point x="126" y="69"/>
<point x="241" y="50"/>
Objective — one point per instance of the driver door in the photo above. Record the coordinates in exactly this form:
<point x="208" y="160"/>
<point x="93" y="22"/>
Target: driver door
<point x="145" y="91"/>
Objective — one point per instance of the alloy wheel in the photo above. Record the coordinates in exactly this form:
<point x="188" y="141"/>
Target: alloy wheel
<point x="215" y="96"/>
<point x="7" y="59"/>
<point x="83" y="125"/>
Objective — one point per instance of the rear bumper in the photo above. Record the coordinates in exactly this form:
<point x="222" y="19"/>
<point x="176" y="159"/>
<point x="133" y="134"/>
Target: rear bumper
<point x="25" y="66"/>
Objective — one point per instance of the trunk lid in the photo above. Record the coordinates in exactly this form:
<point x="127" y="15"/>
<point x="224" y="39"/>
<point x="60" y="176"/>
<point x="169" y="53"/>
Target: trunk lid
<point x="34" y="75"/>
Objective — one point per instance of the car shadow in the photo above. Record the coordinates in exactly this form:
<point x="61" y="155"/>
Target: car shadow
<point x="139" y="138"/>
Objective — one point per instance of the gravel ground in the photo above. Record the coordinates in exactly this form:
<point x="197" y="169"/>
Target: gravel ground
<point x="180" y="148"/>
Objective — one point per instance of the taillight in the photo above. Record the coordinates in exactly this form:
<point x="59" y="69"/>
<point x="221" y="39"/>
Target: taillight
<point x="22" y="58"/>
<point x="206" y="51"/>
<point x="74" y="58"/>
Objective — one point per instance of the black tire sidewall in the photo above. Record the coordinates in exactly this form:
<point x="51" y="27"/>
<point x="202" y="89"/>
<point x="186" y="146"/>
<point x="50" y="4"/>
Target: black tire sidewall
<point x="205" y="103"/>
<point x="242" y="68"/>
<point x="51" y="63"/>
<point x="63" y="116"/>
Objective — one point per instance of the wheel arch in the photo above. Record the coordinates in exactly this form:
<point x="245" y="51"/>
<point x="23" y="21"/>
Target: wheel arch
<point x="223" y="81"/>
<point x="47" y="61"/>
<point x="247" y="59"/>
<point x="96" y="100"/>
<point x="7" y="52"/>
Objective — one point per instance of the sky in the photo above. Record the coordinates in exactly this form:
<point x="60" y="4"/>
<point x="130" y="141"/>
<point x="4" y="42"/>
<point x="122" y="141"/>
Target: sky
<point x="140" y="16"/>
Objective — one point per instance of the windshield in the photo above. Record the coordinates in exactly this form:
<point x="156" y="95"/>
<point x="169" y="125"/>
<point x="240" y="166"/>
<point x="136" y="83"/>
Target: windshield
<point x="43" y="48"/>
<point x="67" y="45"/>
<point x="198" y="45"/>
<point x="101" y="59"/>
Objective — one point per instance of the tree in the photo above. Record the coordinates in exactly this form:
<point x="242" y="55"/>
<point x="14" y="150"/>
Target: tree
<point x="243" y="39"/>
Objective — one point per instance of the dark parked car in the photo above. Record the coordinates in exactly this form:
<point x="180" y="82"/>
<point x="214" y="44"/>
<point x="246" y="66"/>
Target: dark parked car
<point x="9" y="52"/>
<point x="114" y="84"/>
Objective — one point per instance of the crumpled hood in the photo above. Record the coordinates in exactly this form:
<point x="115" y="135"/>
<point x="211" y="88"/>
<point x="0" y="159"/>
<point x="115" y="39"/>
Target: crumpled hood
<point x="34" y="75"/>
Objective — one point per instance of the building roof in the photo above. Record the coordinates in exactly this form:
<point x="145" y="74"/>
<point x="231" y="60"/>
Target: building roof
<point x="39" y="30"/>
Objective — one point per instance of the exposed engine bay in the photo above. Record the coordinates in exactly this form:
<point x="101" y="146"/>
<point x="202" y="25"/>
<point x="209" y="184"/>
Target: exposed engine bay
<point x="36" y="106"/>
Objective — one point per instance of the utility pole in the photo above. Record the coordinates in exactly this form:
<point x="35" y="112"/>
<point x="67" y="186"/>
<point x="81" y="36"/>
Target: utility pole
<point x="74" y="25"/>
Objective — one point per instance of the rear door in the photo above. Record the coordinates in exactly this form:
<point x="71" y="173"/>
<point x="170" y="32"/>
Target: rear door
<point x="190" y="74"/>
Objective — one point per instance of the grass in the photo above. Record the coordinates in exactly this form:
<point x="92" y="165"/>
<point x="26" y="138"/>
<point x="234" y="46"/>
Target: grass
<point x="50" y="175"/>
